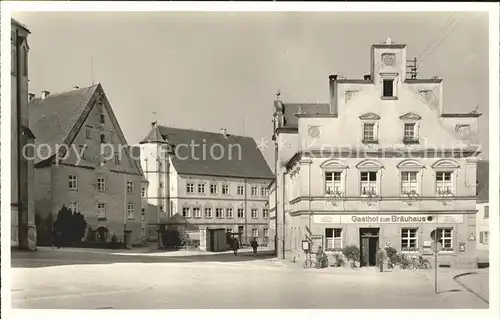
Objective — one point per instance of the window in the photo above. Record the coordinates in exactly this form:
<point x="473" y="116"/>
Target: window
<point x="13" y="62"/>
<point x="213" y="189"/>
<point x="208" y="213"/>
<point x="445" y="238"/>
<point x="101" y="210"/>
<point x="161" y="184"/>
<point x="410" y="135"/>
<point x="101" y="184"/>
<point x="88" y="133"/>
<point x="388" y="88"/>
<point x="255" y="191"/>
<point x="143" y="231"/>
<point x="409" y="239"/>
<point x="130" y="186"/>
<point x="25" y="62"/>
<point x="81" y="149"/>
<point x="229" y="213"/>
<point x="162" y="209"/>
<point x="201" y="188"/>
<point x="219" y="213"/>
<point x="240" y="190"/>
<point x="143" y="214"/>
<point x="241" y="213"/>
<point x="225" y="189"/>
<point x="266" y="232"/>
<point x="486" y="212"/>
<point x="190" y="188"/>
<point x="484" y="237"/>
<point x="73" y="206"/>
<point x="185" y="212"/>
<point x="369" y="183"/>
<point x="333" y="183"/>
<point x="102" y="118"/>
<point x="333" y="238"/>
<point x="196" y="212"/>
<point x="131" y="211"/>
<point x="73" y="182"/>
<point x="408" y="183"/>
<point x="240" y="229"/>
<point x="103" y="138"/>
<point x="443" y="184"/>
<point x="117" y="159"/>
<point x="369" y="132"/>
<point x="265" y="213"/>
<point x="255" y="232"/>
<point x="143" y="192"/>
<point x="263" y="191"/>
<point x="255" y="213"/>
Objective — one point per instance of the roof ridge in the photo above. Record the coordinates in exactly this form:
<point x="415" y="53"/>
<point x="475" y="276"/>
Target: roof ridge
<point x="51" y="95"/>
<point x="195" y="130"/>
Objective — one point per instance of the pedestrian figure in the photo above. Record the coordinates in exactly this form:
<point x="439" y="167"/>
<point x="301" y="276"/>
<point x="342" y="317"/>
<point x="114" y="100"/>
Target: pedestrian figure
<point x="114" y="241"/>
<point x="319" y="255"/>
<point x="236" y="245"/>
<point x="254" y="245"/>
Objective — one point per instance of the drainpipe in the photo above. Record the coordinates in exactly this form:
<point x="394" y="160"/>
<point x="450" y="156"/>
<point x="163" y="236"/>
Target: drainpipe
<point x="283" y="180"/>
<point x="246" y="212"/>
<point x="276" y="198"/>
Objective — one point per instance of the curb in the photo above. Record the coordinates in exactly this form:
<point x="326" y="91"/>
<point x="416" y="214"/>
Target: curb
<point x="455" y="278"/>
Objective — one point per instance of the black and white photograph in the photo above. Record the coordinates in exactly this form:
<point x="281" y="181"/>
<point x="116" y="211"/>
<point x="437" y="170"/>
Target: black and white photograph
<point x="165" y="157"/>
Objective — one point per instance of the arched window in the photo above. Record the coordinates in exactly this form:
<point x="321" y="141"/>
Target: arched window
<point x="370" y="174"/>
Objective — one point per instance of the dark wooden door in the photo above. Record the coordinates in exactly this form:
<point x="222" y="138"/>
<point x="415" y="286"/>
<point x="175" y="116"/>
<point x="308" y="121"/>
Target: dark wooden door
<point x="365" y="251"/>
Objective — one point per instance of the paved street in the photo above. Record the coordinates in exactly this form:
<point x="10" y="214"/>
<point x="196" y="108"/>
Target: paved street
<point x="105" y="281"/>
<point x="479" y="283"/>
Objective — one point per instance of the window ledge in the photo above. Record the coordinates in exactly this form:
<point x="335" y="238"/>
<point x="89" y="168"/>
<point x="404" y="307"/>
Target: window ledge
<point x="369" y="142"/>
<point x="411" y="142"/>
<point x="389" y="98"/>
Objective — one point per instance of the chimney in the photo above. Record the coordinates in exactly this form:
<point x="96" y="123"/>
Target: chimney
<point x="333" y="97"/>
<point x="31" y="96"/>
<point x="223" y="131"/>
<point x="45" y="94"/>
<point x="76" y="87"/>
<point x="368" y="77"/>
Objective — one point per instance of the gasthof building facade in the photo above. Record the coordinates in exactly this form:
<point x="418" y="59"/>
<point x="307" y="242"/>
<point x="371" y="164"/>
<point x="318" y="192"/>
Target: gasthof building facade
<point x="381" y="164"/>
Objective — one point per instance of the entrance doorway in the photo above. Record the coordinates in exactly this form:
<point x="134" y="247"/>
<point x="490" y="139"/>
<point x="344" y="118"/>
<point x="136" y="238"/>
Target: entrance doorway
<point x="369" y="245"/>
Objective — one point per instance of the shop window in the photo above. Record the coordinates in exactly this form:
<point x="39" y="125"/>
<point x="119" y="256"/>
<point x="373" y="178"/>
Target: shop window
<point x="409" y="239"/>
<point x="333" y="238"/>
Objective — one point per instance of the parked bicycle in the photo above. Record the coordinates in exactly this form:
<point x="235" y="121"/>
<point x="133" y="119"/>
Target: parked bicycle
<point x="321" y="262"/>
<point x="422" y="263"/>
<point x="406" y="263"/>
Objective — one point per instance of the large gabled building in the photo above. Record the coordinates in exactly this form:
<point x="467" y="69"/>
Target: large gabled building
<point x="213" y="180"/>
<point x="381" y="164"/>
<point x="82" y="161"/>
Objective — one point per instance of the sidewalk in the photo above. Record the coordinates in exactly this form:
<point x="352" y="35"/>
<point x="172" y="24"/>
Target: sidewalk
<point x="148" y="251"/>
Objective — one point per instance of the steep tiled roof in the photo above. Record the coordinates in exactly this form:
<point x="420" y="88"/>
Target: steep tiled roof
<point x="154" y="136"/>
<point x="233" y="156"/>
<point x="482" y="177"/>
<point x="52" y="118"/>
<point x="291" y="109"/>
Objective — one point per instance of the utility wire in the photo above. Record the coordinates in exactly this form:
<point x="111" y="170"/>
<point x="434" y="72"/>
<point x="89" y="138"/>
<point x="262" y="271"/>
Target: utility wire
<point x="436" y="37"/>
<point x="445" y="37"/>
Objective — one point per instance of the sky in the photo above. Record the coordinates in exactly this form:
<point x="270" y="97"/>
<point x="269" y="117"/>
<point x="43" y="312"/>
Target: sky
<point x="213" y="70"/>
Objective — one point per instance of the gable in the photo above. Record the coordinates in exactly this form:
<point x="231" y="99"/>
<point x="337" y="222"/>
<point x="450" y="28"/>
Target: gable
<point x="410" y="117"/>
<point x="369" y="117"/>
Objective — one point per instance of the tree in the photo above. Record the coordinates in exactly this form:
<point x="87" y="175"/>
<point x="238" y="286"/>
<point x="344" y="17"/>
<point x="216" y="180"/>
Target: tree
<point x="69" y="226"/>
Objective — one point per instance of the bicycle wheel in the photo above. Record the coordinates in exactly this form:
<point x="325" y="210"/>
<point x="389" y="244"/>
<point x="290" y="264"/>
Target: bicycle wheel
<point x="411" y="266"/>
<point x="308" y="263"/>
<point x="426" y="264"/>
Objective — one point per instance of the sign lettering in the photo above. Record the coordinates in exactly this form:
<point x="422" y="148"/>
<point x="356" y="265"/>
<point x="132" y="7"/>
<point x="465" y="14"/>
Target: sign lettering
<point x="388" y="219"/>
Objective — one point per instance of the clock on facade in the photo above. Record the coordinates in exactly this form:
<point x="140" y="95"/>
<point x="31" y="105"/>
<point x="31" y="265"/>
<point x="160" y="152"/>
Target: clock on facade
<point x="314" y="131"/>
<point x="388" y="59"/>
